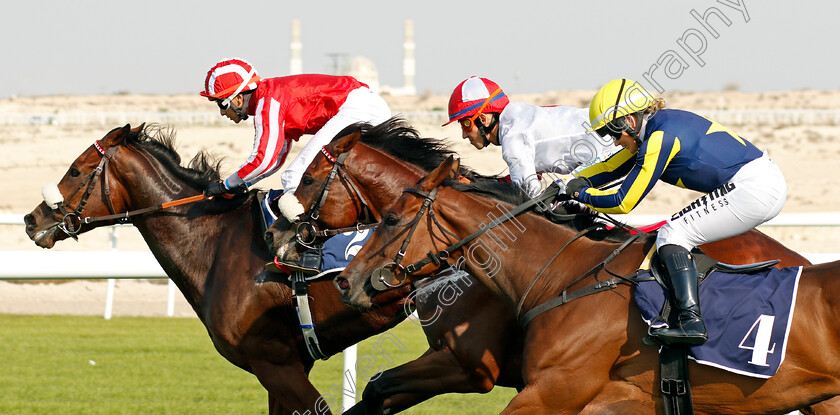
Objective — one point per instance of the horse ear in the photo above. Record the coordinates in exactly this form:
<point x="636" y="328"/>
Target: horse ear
<point x="139" y="128"/>
<point x="344" y="144"/>
<point x="456" y="167"/>
<point x="437" y="176"/>
<point x="116" y="136"/>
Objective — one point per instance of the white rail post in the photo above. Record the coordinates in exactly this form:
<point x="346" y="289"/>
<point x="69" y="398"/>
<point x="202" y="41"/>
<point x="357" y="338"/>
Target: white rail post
<point x="112" y="283"/>
<point x="349" y="375"/>
<point x="170" y="299"/>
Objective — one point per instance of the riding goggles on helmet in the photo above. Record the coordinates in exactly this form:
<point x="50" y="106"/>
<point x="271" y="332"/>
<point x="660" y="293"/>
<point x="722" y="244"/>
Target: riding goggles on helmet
<point x="468" y="123"/>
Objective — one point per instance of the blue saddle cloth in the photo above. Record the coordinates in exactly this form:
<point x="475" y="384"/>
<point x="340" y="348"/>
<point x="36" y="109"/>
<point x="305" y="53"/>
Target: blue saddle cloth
<point x="340" y="249"/>
<point x="268" y="214"/>
<point x="747" y="315"/>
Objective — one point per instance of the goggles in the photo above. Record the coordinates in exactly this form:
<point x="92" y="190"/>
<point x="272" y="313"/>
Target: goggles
<point x="613" y="129"/>
<point x="467" y="123"/>
<point x="223" y="104"/>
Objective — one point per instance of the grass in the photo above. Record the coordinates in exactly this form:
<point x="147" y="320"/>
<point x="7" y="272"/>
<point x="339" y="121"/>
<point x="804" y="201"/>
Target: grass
<point x="87" y="365"/>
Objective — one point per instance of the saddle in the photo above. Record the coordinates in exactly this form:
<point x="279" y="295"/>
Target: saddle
<point x="705" y="266"/>
<point x="673" y="360"/>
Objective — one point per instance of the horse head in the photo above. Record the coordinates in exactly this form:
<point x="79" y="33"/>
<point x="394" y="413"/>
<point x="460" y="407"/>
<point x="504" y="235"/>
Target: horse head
<point x="351" y="182"/>
<point x="328" y="197"/>
<point x="127" y="168"/>
<point x="89" y="188"/>
<point x="408" y="233"/>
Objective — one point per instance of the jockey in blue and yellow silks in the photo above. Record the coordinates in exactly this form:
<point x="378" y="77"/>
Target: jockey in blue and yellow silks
<point x="743" y="187"/>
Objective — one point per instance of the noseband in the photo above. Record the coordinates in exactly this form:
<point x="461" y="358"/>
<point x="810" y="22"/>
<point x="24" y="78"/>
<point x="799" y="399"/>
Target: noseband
<point x="306" y="232"/>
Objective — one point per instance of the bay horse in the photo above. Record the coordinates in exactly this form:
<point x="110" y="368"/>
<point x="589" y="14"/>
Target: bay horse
<point x="585" y="356"/>
<point x="214" y="251"/>
<point x="474" y="341"/>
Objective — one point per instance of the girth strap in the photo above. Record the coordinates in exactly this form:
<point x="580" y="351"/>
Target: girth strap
<point x="566" y="296"/>
<point x="609" y="284"/>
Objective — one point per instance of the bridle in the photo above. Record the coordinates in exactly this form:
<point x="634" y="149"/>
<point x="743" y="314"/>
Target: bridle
<point x="306" y="230"/>
<point x="72" y="221"/>
<point x="382" y="278"/>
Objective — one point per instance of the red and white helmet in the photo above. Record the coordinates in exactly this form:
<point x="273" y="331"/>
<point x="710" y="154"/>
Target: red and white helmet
<point x="475" y="96"/>
<point x="228" y="78"/>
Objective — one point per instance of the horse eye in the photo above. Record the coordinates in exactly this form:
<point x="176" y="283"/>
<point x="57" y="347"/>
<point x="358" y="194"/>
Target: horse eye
<point x="307" y="180"/>
<point x="74" y="172"/>
<point x="391" y="221"/>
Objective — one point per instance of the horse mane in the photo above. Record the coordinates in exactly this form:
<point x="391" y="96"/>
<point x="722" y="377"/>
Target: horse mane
<point x="159" y="141"/>
<point x="397" y="138"/>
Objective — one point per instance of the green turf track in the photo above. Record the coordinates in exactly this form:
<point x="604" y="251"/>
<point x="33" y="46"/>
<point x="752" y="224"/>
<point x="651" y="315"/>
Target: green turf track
<point x="87" y="365"/>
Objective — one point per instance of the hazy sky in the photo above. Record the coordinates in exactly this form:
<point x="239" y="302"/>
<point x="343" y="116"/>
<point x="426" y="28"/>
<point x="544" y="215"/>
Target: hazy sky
<point x="167" y="46"/>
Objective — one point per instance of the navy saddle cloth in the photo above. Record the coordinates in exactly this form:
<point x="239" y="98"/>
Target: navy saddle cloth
<point x="747" y="315"/>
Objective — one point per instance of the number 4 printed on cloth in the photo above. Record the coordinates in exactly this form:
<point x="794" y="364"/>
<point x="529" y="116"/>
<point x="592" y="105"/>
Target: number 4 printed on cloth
<point x="761" y="348"/>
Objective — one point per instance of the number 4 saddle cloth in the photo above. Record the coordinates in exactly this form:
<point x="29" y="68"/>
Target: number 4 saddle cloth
<point x="747" y="316"/>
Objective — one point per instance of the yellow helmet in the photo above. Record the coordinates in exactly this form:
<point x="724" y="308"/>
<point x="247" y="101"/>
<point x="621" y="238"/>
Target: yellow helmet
<point x="616" y="99"/>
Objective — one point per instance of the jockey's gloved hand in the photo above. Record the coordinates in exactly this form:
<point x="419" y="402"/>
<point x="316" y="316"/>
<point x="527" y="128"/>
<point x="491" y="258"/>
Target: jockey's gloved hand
<point x="219" y="188"/>
<point x="577" y="185"/>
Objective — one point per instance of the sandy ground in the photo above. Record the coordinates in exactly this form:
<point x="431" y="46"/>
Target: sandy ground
<point x="37" y="152"/>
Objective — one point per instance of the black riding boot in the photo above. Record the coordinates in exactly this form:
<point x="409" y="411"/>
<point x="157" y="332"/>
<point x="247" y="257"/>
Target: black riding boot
<point x="690" y="328"/>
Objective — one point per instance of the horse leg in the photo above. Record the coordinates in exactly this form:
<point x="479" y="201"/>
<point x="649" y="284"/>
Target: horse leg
<point x="289" y="389"/>
<point x="434" y="373"/>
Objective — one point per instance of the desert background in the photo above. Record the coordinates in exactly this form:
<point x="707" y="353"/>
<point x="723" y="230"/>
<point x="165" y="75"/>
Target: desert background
<point x="40" y="136"/>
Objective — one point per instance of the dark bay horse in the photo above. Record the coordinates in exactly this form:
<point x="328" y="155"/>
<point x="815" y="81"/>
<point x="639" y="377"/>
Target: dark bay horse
<point x="586" y="356"/>
<point x="474" y="341"/>
<point x="213" y="250"/>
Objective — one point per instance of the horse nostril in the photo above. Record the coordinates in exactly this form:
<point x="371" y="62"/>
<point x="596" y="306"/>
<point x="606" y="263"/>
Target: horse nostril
<point x="29" y="220"/>
<point x="342" y="283"/>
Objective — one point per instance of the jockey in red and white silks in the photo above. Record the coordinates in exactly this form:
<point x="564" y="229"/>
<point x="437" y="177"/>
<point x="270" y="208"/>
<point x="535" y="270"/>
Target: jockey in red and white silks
<point x="284" y="109"/>
<point x="547" y="140"/>
<point x="534" y="139"/>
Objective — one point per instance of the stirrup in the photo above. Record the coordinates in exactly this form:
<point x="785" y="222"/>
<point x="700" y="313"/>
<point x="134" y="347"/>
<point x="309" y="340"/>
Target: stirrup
<point x="309" y="263"/>
<point x="651" y="339"/>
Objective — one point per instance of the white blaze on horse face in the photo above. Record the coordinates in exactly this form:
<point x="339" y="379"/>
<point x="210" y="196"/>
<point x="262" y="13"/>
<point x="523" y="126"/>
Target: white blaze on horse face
<point x="290" y="207"/>
<point x="52" y="196"/>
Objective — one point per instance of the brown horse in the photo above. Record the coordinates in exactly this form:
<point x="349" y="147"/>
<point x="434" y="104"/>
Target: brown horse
<point x="254" y="326"/>
<point x="475" y="341"/>
<point x="586" y="356"/>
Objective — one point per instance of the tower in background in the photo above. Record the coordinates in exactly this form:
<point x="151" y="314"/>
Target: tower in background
<point x="296" y="62"/>
<point x="408" y="60"/>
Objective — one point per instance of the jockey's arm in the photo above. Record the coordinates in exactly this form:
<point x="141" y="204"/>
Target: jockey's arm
<point x="269" y="150"/>
<point x="519" y="154"/>
<point x="658" y="153"/>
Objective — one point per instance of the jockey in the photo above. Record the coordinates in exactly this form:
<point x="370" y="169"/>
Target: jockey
<point x="534" y="139"/>
<point x="743" y="187"/>
<point x="284" y="109"/>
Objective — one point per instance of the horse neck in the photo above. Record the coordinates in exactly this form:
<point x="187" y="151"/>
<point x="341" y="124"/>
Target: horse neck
<point x="225" y="252"/>
<point x="185" y="239"/>
<point x="509" y="257"/>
